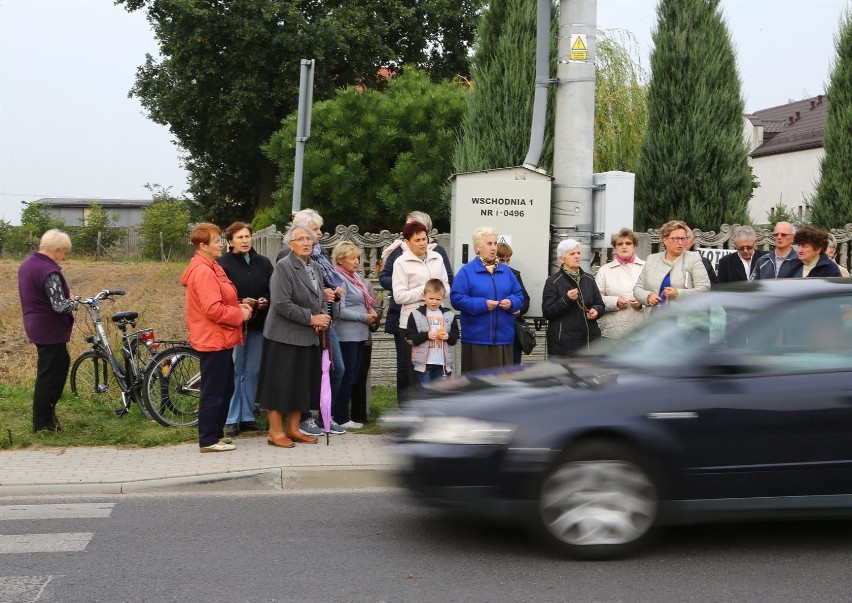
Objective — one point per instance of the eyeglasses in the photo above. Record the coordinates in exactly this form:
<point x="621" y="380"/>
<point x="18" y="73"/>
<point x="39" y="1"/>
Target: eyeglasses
<point x="781" y="234"/>
<point x="678" y="239"/>
<point x="303" y="239"/>
<point x="745" y="248"/>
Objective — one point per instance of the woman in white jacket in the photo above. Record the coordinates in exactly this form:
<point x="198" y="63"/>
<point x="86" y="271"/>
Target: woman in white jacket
<point x="411" y="270"/>
<point x="671" y="273"/>
<point x="616" y="281"/>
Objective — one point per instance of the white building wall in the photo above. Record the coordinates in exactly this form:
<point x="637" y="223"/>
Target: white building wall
<point x="790" y="178"/>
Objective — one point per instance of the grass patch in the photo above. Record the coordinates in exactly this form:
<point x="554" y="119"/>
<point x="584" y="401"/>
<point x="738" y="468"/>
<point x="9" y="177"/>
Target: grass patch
<point x="86" y="424"/>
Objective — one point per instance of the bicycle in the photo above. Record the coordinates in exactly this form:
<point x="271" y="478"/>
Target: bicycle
<point x="90" y="373"/>
<point x="172" y="386"/>
<point x="165" y="384"/>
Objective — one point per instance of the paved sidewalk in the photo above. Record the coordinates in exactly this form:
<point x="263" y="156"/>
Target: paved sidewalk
<point x="350" y="461"/>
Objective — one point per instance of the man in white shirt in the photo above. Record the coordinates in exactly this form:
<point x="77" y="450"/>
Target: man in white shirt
<point x="738" y="266"/>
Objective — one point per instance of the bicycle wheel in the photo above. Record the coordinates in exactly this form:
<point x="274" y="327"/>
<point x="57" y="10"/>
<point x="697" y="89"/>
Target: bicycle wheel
<point x="172" y="387"/>
<point x="90" y="380"/>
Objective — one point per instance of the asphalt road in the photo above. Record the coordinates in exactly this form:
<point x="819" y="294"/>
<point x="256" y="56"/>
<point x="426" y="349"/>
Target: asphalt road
<point x="374" y="546"/>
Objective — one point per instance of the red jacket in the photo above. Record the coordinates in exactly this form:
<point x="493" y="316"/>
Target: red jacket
<point x="213" y="315"/>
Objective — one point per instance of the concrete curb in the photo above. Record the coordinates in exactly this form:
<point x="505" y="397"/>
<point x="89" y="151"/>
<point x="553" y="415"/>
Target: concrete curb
<point x="280" y="478"/>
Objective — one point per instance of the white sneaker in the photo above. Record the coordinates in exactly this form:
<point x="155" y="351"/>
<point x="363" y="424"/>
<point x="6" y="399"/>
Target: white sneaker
<point x="352" y="425"/>
<point x="219" y="446"/>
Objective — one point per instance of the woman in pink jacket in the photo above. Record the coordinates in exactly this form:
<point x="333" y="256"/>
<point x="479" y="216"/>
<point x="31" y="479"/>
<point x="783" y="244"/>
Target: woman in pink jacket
<point x="214" y="319"/>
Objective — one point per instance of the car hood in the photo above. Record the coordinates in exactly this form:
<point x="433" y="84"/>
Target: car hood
<point x="485" y="393"/>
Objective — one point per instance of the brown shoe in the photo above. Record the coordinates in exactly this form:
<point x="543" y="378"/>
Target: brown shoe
<point x="281" y="441"/>
<point x="302" y="438"/>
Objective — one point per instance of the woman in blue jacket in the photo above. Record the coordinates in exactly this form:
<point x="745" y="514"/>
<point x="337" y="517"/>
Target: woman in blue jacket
<point x="487" y="294"/>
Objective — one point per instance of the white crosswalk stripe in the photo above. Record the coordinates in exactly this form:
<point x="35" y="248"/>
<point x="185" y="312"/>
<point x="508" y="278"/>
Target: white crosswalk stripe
<point x="67" y="511"/>
<point x="63" y="542"/>
<point x="30" y="589"/>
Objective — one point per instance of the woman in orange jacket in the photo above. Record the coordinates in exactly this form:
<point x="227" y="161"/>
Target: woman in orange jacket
<point x="214" y="319"/>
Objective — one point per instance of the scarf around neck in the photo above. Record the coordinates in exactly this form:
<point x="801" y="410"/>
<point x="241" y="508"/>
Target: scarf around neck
<point x="355" y="279"/>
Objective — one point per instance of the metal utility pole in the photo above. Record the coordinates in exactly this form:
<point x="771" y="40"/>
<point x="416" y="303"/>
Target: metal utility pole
<point x="303" y="128"/>
<point x="573" y="152"/>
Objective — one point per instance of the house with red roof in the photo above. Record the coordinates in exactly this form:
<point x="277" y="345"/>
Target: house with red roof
<point x="785" y="145"/>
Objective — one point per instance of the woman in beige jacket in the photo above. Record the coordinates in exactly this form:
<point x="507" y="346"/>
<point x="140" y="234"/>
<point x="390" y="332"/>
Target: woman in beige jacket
<point x="616" y="281"/>
<point x="671" y="273"/>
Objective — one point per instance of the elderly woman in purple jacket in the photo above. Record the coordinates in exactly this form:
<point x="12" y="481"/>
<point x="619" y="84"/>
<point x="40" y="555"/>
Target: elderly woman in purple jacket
<point x="47" y="308"/>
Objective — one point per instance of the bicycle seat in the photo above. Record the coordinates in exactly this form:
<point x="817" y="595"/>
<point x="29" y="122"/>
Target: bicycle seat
<point x="124" y="316"/>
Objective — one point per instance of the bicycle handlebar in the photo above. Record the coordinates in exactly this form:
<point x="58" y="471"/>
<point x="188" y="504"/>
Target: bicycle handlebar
<point x="102" y="295"/>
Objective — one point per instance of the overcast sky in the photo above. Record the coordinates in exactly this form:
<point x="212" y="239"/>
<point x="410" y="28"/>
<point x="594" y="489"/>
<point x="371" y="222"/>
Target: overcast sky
<point x="67" y="128"/>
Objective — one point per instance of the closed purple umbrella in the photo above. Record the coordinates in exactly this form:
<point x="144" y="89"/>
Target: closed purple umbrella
<point x="325" y="387"/>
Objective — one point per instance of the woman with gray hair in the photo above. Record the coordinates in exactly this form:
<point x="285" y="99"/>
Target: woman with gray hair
<point x="831" y="252"/>
<point x="290" y="369"/>
<point x="333" y="291"/>
<point x="571" y="303"/>
<point x="47" y="309"/>
<point x="487" y="294"/>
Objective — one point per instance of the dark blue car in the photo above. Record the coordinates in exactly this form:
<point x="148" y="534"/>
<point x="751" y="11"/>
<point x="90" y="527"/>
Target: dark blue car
<point x="734" y="404"/>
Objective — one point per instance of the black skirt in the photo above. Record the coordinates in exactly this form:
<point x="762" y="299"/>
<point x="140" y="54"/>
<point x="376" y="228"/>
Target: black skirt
<point x="289" y="377"/>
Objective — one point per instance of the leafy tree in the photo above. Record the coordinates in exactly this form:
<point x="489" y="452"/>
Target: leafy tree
<point x="832" y="203"/>
<point x="694" y="161"/>
<point x="6" y="230"/>
<point x="374" y="156"/>
<point x="35" y="220"/>
<point x="96" y="221"/>
<point x="229" y="74"/>
<point x="621" y="111"/>
<point x="782" y="213"/>
<point x="165" y="225"/>
<point x="496" y="129"/>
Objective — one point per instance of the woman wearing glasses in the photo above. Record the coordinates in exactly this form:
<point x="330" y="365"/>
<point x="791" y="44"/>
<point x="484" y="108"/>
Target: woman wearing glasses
<point x="290" y="369"/>
<point x="778" y="263"/>
<point x="669" y="274"/>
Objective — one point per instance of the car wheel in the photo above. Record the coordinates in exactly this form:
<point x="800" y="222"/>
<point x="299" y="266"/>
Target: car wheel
<point x="599" y="501"/>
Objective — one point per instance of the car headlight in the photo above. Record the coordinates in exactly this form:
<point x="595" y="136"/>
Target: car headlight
<point x="461" y="430"/>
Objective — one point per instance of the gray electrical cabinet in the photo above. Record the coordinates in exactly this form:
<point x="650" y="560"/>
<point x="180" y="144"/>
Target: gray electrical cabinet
<point x="516" y="203"/>
<point x="613" y="205"/>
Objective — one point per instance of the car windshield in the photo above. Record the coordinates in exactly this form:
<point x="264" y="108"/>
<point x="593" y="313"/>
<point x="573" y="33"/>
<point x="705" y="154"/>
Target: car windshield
<point x="675" y="335"/>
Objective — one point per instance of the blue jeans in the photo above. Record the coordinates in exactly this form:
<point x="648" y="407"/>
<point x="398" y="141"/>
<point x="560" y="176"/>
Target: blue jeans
<point x="433" y="372"/>
<point x="246" y="370"/>
<point x="353" y="353"/>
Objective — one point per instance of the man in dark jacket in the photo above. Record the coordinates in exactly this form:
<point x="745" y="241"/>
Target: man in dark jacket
<point x="778" y="263"/>
<point x="47" y="308"/>
<point x="738" y="266"/>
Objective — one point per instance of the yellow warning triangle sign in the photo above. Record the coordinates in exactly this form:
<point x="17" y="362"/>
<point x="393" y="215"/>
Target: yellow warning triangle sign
<point x="578" y="44"/>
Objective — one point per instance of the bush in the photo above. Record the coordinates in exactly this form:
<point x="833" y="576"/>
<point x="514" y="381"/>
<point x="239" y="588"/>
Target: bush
<point x="165" y="228"/>
<point x="96" y="222"/>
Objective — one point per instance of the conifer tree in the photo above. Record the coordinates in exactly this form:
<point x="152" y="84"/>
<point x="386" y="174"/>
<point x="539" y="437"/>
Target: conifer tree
<point x="496" y="129"/>
<point x="694" y="161"/>
<point x="832" y="204"/>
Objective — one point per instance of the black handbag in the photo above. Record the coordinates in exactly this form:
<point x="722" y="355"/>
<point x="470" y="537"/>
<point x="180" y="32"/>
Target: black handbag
<point x="524" y="336"/>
